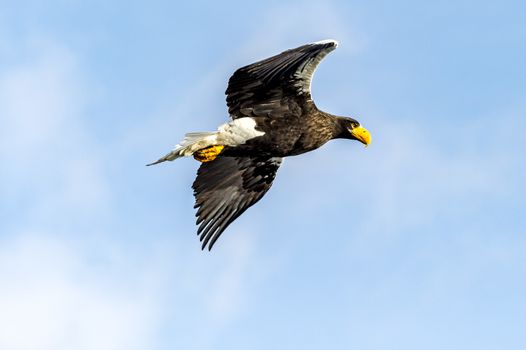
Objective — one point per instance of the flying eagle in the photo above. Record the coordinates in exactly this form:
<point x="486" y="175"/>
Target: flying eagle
<point x="273" y="116"/>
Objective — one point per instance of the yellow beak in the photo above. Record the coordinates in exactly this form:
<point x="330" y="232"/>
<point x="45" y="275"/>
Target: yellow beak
<point x="362" y="135"/>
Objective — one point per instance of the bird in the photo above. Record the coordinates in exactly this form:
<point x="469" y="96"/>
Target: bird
<point x="272" y="116"/>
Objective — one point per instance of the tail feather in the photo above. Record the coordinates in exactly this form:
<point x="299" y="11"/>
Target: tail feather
<point x="192" y="142"/>
<point x="194" y="137"/>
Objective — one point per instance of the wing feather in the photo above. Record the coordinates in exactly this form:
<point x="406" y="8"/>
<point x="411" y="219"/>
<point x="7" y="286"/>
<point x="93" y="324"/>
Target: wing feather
<point x="265" y="88"/>
<point x="225" y="188"/>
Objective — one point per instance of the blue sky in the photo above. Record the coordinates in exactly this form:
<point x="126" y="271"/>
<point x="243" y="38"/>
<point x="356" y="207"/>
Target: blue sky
<point x="415" y="242"/>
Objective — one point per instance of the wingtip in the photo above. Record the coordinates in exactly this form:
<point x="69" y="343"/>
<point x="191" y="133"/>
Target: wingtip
<point x="205" y="245"/>
<point x="327" y="41"/>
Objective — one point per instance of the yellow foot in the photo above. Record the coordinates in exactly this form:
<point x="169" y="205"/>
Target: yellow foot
<point x="208" y="154"/>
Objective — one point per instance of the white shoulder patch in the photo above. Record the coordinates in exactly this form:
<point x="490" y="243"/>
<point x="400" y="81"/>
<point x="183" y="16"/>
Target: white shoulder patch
<point x="238" y="131"/>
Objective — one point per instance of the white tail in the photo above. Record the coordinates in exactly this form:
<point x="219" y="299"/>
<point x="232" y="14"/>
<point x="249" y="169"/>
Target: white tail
<point x="233" y="133"/>
<point x="192" y="142"/>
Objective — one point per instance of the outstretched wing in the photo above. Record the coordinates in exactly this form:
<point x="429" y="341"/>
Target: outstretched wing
<point x="225" y="188"/>
<point x="277" y="85"/>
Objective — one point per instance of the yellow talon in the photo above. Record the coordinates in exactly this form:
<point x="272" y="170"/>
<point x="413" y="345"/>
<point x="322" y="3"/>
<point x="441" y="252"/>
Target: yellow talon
<point x="208" y="154"/>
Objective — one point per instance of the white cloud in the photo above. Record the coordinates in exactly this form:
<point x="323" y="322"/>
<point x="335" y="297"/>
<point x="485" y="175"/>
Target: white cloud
<point x="43" y="141"/>
<point x="38" y="97"/>
<point x="54" y="297"/>
<point x="229" y="293"/>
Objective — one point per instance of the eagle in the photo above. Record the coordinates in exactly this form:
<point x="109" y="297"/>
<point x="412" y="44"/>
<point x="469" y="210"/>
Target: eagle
<point x="272" y="116"/>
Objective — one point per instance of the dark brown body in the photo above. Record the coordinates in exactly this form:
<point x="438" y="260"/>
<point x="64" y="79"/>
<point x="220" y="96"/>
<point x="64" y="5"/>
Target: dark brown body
<point x="290" y="136"/>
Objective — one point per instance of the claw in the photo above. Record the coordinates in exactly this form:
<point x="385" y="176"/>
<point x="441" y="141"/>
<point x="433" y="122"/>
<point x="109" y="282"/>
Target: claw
<point x="208" y="154"/>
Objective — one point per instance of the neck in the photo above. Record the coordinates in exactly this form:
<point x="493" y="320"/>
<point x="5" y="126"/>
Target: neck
<point x="340" y="128"/>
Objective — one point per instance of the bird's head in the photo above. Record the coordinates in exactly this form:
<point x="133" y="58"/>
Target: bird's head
<point x="351" y="129"/>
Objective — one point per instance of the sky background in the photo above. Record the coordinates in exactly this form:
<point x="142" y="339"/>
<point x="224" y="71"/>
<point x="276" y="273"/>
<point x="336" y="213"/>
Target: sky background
<point x="417" y="242"/>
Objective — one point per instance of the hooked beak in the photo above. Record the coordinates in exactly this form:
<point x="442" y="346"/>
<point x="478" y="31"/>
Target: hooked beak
<point x="361" y="134"/>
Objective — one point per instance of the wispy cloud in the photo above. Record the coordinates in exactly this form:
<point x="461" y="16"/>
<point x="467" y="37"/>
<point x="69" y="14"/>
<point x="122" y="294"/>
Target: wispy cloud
<point x="43" y="138"/>
<point x="53" y="296"/>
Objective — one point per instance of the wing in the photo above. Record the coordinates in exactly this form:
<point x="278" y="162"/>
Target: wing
<point x="277" y="85"/>
<point x="225" y="188"/>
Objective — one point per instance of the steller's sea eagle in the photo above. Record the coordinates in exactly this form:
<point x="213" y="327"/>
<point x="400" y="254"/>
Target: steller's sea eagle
<point x="273" y="116"/>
